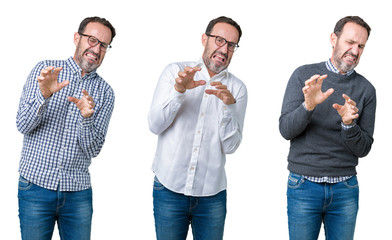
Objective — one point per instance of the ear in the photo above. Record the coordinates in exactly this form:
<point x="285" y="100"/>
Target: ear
<point x="334" y="40"/>
<point x="204" y="39"/>
<point x="76" y="39"/>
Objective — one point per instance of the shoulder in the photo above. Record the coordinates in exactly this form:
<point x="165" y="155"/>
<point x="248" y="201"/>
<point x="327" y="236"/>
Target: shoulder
<point x="103" y="84"/>
<point x="365" y="83"/>
<point x="235" y="80"/>
<point x="304" y="72"/>
<point x="176" y="66"/>
<point x="314" y="67"/>
<point x="54" y="63"/>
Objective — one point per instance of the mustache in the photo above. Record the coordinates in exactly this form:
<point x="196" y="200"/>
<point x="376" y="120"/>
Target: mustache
<point x="221" y="53"/>
<point x="93" y="53"/>
<point x="352" y="54"/>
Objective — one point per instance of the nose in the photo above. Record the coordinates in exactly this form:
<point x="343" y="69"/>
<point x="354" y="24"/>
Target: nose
<point x="355" y="49"/>
<point x="225" y="48"/>
<point x="96" y="48"/>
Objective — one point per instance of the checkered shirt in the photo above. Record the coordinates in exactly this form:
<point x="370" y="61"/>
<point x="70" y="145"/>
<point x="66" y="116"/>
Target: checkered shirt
<point x="58" y="142"/>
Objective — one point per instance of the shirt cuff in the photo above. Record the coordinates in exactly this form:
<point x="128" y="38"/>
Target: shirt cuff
<point x="42" y="102"/>
<point x="177" y="97"/>
<point x="347" y="127"/>
<point x="303" y="104"/>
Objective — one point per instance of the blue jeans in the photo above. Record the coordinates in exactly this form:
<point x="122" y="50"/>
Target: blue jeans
<point x="174" y="212"/>
<point x="40" y="208"/>
<point x="309" y="204"/>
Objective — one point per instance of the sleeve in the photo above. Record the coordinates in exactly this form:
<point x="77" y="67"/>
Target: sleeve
<point x="166" y="101"/>
<point x="294" y="117"/>
<point x="359" y="139"/>
<point x="231" y="121"/>
<point x="92" y="130"/>
<point x="32" y="105"/>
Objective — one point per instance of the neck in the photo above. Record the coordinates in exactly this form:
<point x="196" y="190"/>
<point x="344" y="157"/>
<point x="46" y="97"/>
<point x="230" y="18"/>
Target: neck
<point x="334" y="64"/>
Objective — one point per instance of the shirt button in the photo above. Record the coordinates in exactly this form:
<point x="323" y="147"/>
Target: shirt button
<point x="192" y="168"/>
<point x="202" y="114"/>
<point x="195" y="149"/>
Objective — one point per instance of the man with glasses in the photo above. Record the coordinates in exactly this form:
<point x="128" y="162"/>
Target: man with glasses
<point x="198" y="112"/>
<point x="328" y="115"/>
<point x="64" y="114"/>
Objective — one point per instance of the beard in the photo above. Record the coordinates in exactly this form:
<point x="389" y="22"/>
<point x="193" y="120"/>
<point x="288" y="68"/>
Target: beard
<point x="215" y="68"/>
<point x="85" y="65"/>
<point x="342" y="65"/>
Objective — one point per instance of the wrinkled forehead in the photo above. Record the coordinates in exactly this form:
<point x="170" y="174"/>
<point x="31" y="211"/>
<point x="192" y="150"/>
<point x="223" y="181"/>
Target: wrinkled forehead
<point x="227" y="31"/>
<point x="355" y="32"/>
<point x="98" y="30"/>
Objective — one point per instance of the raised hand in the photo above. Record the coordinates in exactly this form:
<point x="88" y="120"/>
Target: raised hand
<point x="48" y="83"/>
<point x="185" y="80"/>
<point x="348" y="111"/>
<point x="222" y="93"/>
<point x="312" y="91"/>
<point x="85" y="104"/>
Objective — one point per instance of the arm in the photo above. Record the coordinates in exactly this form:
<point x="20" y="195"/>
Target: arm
<point x="359" y="138"/>
<point x="169" y="95"/>
<point x="231" y="118"/>
<point x="231" y="122"/>
<point x="299" y="102"/>
<point x="40" y="86"/>
<point x="93" y="123"/>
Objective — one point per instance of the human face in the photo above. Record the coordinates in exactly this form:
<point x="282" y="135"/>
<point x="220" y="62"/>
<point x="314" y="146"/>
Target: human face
<point x="218" y="58"/>
<point x="87" y="57"/>
<point x="348" y="48"/>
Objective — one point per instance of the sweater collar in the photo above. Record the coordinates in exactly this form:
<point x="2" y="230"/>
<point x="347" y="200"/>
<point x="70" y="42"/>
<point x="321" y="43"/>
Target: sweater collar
<point x="333" y="69"/>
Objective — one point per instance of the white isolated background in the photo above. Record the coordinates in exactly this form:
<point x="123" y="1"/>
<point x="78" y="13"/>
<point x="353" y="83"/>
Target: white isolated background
<point x="278" y="36"/>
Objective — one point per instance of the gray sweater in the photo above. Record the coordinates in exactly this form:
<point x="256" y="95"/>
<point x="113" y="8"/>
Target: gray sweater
<point x="319" y="146"/>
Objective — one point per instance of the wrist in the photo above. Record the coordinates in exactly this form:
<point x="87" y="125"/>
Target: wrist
<point x="307" y="107"/>
<point x="347" y="123"/>
<point x="179" y="89"/>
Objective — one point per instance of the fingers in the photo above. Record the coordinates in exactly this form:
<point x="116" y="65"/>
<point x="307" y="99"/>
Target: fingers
<point x="349" y="100"/>
<point x="223" y="95"/>
<point x="185" y="79"/>
<point x="315" y="79"/>
<point x="56" y="71"/>
<point x="73" y="99"/>
<point x="311" y="80"/>
<point x="51" y="71"/>
<point x="348" y="111"/>
<point x="221" y="92"/>
<point x="85" y="104"/>
<point x="198" y="83"/>
<point x="337" y="106"/>
<point x="90" y="100"/>
<point x="328" y="93"/>
<point x="188" y="72"/>
<point x="63" y="84"/>
<point x="321" y="79"/>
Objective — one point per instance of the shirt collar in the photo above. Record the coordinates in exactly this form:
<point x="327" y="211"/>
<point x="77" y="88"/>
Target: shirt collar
<point x="75" y="68"/>
<point x="201" y="64"/>
<point x="332" y="68"/>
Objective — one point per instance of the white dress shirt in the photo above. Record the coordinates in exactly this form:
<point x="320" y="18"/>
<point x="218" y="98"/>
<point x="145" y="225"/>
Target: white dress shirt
<point x="195" y="131"/>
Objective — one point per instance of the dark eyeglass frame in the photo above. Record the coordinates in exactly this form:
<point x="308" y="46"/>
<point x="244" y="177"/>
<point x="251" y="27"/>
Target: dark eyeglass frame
<point x="93" y="41"/>
<point x="231" y="46"/>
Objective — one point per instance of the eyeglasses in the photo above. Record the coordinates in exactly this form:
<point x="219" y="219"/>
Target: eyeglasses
<point x="220" y="41"/>
<point x="93" y="41"/>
